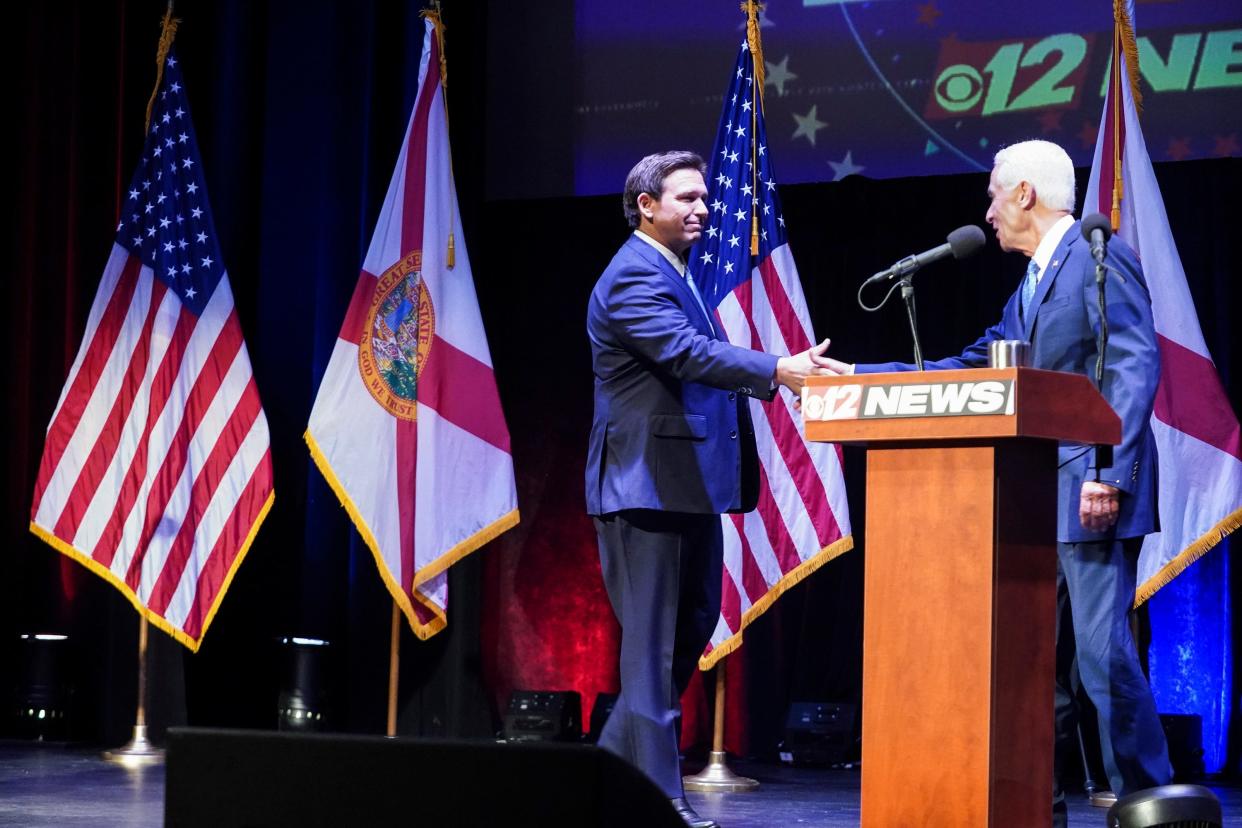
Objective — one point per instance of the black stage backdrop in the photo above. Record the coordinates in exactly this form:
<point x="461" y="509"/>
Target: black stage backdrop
<point x="300" y="108"/>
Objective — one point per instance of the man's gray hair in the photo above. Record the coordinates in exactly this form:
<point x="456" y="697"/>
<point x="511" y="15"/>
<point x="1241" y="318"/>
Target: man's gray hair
<point x="1045" y="166"/>
<point x="648" y="177"/>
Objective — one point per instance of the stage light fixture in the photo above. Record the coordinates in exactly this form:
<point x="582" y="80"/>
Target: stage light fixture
<point x="544" y="715"/>
<point x="302" y="703"/>
<point x="43" y="692"/>
<point x="1168" y="806"/>
<point x="819" y="734"/>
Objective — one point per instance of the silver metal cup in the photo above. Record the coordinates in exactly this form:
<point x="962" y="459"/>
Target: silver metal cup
<point x="1009" y="353"/>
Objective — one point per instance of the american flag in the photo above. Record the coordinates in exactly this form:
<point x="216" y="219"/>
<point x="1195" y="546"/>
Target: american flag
<point x="156" y="472"/>
<point x="802" y="519"/>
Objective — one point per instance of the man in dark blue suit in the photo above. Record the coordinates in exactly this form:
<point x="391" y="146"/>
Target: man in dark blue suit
<point x="671" y="449"/>
<point x="1102" y="512"/>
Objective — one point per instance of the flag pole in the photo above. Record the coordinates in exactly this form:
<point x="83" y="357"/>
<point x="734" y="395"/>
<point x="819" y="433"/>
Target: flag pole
<point x="716" y="776"/>
<point x="1125" y="45"/>
<point x="1115" y="213"/>
<point x="753" y="39"/>
<point x="139" y="751"/>
<point x="394" y="664"/>
<point x="433" y="14"/>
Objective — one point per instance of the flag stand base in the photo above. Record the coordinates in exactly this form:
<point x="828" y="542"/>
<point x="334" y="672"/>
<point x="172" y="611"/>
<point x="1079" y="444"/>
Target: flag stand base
<point x="717" y="777"/>
<point x="138" y="752"/>
<point x="1103" y="799"/>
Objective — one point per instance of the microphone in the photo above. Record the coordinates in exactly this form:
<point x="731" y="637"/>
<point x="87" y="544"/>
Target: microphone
<point x="962" y="242"/>
<point x="1097" y="230"/>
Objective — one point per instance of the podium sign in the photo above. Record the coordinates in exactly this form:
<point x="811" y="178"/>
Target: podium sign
<point x="958" y="638"/>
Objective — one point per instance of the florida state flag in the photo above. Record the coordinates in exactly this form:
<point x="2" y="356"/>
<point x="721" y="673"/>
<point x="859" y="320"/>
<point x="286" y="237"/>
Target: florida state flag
<point x="407" y="425"/>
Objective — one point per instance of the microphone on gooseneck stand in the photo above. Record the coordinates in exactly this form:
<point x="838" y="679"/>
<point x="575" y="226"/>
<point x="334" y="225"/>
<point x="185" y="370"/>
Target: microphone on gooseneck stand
<point x="962" y="242"/>
<point x="1097" y="230"/>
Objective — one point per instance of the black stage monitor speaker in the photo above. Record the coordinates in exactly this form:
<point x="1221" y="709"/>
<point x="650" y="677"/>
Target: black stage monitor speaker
<point x="544" y="715"/>
<point x="819" y="733"/>
<point x="235" y="778"/>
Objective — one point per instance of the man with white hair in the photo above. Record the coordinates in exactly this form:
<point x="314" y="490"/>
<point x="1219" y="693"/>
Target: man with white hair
<point x="1102" y="513"/>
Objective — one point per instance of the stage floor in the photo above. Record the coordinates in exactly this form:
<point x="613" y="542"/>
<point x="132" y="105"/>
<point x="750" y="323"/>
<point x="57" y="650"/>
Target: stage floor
<point x="45" y="785"/>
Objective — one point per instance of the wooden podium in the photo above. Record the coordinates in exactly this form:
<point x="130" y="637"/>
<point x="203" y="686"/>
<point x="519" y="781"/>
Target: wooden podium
<point x="960" y="598"/>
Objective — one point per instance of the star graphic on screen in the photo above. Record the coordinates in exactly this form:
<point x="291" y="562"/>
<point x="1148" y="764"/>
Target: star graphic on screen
<point x="1086" y="135"/>
<point x="778" y="75"/>
<point x="1178" y="149"/>
<point x="844" y="167"/>
<point x="1050" y="121"/>
<point x="1226" y="145"/>
<point x="928" y="13"/>
<point x="808" y="124"/>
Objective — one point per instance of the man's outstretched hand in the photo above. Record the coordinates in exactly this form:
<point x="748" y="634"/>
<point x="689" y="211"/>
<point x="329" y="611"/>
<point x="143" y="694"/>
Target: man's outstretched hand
<point x="792" y="371"/>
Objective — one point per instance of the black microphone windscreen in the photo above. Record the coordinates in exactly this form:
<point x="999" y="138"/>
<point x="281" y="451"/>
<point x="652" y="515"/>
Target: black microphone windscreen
<point x="964" y="241"/>
<point x="1096" y="221"/>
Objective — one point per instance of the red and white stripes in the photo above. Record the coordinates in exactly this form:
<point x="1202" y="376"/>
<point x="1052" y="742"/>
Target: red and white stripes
<point x="156" y="471"/>
<point x="802" y="519"/>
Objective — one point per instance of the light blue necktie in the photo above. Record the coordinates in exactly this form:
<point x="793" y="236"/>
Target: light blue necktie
<point x="1028" y="286"/>
<point x="698" y="297"/>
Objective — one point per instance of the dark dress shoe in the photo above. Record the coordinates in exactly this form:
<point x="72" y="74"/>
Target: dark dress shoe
<point x="690" y="816"/>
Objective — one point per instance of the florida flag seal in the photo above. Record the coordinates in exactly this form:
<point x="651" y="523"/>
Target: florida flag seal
<point x="397" y="337"/>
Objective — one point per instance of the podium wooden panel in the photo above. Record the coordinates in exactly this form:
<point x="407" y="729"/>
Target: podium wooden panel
<point x="958" y="639"/>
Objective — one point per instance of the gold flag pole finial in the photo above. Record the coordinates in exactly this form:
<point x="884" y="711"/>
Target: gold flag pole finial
<point x="755" y="44"/>
<point x="433" y="14"/>
<point x="168" y="31"/>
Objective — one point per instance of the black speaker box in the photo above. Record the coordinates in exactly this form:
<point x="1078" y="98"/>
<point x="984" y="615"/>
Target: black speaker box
<point x="226" y="778"/>
<point x="539" y="715"/>
<point x="819" y="733"/>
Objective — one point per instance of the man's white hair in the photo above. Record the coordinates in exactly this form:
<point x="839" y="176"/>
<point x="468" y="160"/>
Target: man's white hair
<point x="1042" y="164"/>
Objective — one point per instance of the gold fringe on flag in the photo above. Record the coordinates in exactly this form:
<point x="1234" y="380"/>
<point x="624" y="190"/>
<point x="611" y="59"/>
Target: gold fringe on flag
<point x="791" y="579"/>
<point x="1189" y="555"/>
<point x="168" y="31"/>
<point x="433" y="14"/>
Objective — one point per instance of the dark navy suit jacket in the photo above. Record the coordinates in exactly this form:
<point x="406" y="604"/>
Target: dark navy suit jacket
<point x="1062" y="326"/>
<point x="672" y="427"/>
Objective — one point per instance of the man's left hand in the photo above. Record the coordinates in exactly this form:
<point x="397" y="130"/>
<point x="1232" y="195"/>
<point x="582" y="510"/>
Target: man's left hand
<point x="1099" y="505"/>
